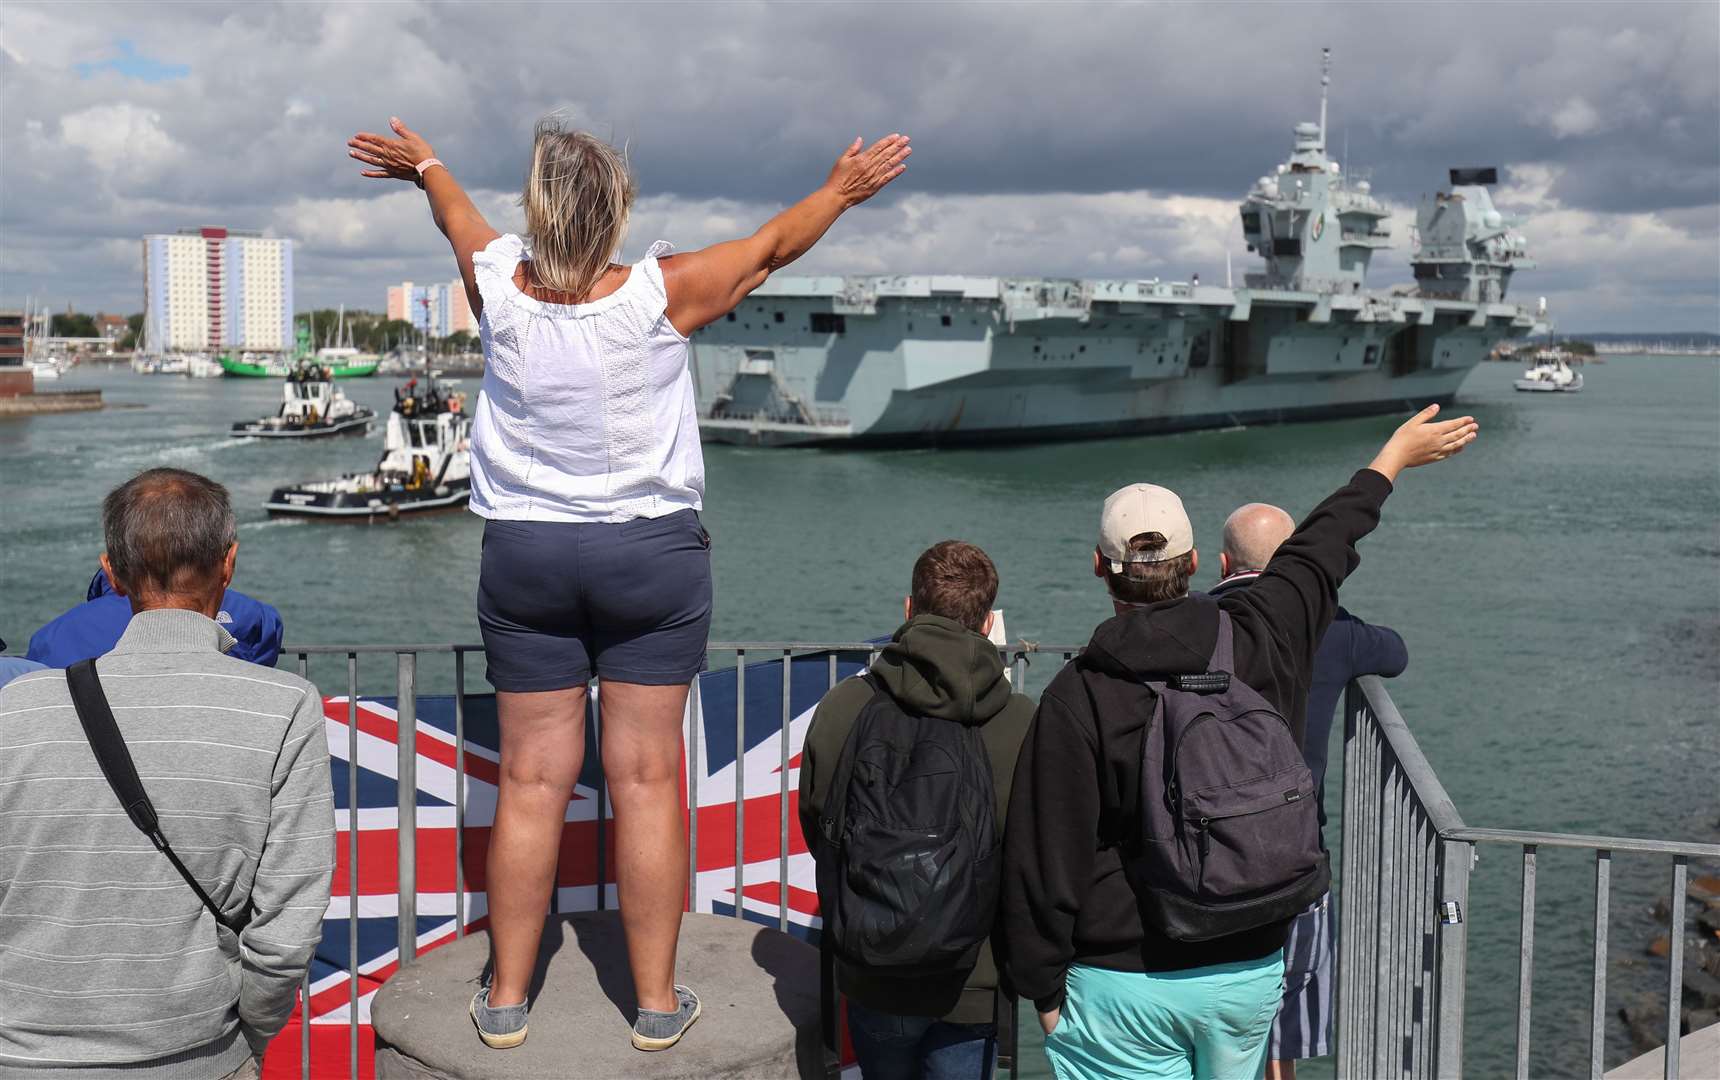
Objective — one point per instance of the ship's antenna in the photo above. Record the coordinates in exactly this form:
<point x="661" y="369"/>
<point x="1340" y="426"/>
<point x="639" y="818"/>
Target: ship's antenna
<point x="1325" y="81"/>
<point x="1227" y="281"/>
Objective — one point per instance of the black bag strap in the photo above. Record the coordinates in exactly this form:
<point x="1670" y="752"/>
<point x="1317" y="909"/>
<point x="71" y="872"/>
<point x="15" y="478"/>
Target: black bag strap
<point x="116" y="764"/>
<point x="828" y="1020"/>
<point x="835" y="816"/>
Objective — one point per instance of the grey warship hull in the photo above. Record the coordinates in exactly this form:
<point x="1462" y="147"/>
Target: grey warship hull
<point x="951" y="361"/>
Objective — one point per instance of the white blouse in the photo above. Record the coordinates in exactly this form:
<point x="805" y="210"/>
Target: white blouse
<point x="587" y="411"/>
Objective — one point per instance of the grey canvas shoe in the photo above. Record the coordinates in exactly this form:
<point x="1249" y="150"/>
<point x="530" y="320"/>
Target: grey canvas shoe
<point x="656" y="1030"/>
<point x="501" y="1029"/>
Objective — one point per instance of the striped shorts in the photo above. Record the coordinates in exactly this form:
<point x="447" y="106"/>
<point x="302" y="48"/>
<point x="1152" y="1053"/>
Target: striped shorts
<point x="1303" y="1028"/>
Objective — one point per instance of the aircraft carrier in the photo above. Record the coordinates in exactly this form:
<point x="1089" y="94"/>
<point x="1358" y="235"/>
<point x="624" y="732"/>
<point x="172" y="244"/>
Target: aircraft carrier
<point x="948" y="359"/>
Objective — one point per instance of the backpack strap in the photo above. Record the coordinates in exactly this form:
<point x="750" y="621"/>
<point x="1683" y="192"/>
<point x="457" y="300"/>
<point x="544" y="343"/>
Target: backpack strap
<point x="827" y="1002"/>
<point x="1224" y="653"/>
<point x="836" y="808"/>
<point x="96" y="715"/>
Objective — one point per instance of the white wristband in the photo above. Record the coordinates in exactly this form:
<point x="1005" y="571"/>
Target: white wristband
<point x="424" y="165"/>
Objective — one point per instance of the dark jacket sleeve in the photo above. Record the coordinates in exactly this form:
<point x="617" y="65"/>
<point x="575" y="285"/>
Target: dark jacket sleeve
<point x="1048" y="849"/>
<point x="1281" y="617"/>
<point x="1377" y="650"/>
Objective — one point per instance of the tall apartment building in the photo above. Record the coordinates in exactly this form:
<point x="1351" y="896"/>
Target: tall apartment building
<point x="437" y="310"/>
<point x="218" y="289"/>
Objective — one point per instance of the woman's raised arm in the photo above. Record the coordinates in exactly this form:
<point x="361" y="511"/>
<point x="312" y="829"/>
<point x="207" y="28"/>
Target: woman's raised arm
<point x="705" y="285"/>
<point x="398" y="159"/>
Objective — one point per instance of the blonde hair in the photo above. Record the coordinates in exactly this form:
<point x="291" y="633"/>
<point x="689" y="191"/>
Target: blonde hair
<point x="577" y="198"/>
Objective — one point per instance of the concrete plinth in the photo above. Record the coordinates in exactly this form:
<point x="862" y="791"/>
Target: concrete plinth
<point x="759" y="990"/>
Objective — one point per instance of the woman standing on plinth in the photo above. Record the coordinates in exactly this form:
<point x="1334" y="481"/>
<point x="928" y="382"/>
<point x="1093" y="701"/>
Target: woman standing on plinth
<point x="586" y="465"/>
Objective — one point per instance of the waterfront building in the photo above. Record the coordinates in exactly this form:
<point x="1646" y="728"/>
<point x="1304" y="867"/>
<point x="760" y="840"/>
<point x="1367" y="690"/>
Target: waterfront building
<point x="110" y="327"/>
<point x="217" y="289"/>
<point x="15" y="375"/>
<point x="436" y="310"/>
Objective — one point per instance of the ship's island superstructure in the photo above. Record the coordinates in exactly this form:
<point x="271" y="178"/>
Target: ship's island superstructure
<point x="947" y="359"/>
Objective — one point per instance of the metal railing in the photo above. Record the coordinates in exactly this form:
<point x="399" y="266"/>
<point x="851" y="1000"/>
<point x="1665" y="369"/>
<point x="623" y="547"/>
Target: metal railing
<point x="1402" y="939"/>
<point x="1404" y="871"/>
<point x="407" y="681"/>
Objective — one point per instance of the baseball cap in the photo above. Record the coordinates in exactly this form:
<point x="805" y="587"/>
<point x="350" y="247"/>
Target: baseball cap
<point x="1143" y="508"/>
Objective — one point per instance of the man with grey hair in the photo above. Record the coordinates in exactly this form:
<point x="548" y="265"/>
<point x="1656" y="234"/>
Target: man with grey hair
<point x="1349" y="649"/>
<point x="118" y="962"/>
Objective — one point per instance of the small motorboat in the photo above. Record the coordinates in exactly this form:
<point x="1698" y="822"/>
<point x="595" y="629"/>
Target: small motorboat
<point x="1550" y="373"/>
<point x="313" y="407"/>
<point x="425" y="465"/>
<point x="199" y="366"/>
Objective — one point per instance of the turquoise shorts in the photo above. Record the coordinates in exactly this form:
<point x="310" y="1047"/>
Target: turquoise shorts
<point x="1205" y="1023"/>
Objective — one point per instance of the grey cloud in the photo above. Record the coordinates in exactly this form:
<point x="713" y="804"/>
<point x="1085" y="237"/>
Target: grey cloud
<point x="749" y="102"/>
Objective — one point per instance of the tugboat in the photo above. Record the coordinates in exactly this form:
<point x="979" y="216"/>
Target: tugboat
<point x="425" y="466"/>
<point x="1550" y="373"/>
<point x="313" y="408"/>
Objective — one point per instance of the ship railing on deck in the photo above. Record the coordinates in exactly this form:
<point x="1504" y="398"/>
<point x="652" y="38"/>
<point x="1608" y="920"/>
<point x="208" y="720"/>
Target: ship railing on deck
<point x="1403" y="884"/>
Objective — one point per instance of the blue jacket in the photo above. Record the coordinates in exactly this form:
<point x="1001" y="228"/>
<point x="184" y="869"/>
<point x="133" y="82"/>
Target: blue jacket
<point x="13" y="666"/>
<point x="1350" y="649"/>
<point x="93" y="627"/>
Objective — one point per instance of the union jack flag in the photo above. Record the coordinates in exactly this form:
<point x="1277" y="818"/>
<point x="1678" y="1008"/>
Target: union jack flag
<point x="711" y="774"/>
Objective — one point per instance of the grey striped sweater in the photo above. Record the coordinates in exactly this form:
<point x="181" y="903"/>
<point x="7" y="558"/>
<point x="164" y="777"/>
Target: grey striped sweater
<point x="108" y="961"/>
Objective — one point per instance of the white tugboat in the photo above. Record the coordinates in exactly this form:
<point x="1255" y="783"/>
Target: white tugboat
<point x="313" y="407"/>
<point x="1550" y="373"/>
<point x="425" y="466"/>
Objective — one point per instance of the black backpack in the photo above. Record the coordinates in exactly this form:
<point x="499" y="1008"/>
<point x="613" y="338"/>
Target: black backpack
<point x="1229" y="827"/>
<point x="909" y="864"/>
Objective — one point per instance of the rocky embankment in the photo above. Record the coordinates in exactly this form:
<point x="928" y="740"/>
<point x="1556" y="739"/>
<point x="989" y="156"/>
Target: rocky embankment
<point x="1645" y="1015"/>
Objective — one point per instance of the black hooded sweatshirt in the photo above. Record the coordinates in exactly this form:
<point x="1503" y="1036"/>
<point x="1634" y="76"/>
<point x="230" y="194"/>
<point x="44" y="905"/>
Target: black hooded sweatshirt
<point x="1077" y="783"/>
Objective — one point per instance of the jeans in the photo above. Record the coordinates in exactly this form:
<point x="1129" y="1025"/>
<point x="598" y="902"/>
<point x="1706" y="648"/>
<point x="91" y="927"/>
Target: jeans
<point x="892" y="1047"/>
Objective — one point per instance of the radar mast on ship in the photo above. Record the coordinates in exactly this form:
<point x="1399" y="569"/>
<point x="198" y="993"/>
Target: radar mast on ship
<point x="1314" y="228"/>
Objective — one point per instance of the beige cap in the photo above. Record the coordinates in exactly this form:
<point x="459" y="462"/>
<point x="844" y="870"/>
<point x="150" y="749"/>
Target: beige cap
<point x="1143" y="508"/>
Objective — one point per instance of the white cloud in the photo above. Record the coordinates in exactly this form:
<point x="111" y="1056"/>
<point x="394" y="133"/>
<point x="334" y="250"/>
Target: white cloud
<point x="122" y="138"/>
<point x="1575" y="117"/>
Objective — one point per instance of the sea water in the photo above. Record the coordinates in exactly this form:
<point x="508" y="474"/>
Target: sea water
<point x="1558" y="585"/>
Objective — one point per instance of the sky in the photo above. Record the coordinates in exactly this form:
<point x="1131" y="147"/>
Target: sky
<point x="1061" y="139"/>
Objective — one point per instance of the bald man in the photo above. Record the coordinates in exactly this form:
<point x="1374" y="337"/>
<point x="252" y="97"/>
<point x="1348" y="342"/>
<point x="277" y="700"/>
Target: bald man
<point x="1350" y="648"/>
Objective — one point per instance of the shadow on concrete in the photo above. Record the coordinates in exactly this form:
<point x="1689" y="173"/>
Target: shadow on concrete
<point x="795" y="983"/>
<point x="553" y="939"/>
<point x="605" y="947"/>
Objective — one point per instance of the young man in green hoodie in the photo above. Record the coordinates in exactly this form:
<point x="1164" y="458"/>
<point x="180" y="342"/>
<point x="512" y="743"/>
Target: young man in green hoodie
<point x="939" y="664"/>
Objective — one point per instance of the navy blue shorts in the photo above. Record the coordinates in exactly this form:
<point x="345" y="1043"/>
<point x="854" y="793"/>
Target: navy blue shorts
<point x="559" y="602"/>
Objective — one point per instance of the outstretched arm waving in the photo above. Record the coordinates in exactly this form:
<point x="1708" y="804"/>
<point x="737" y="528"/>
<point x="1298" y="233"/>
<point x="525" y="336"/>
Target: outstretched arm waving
<point x="399" y="158"/>
<point x="704" y="285"/>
